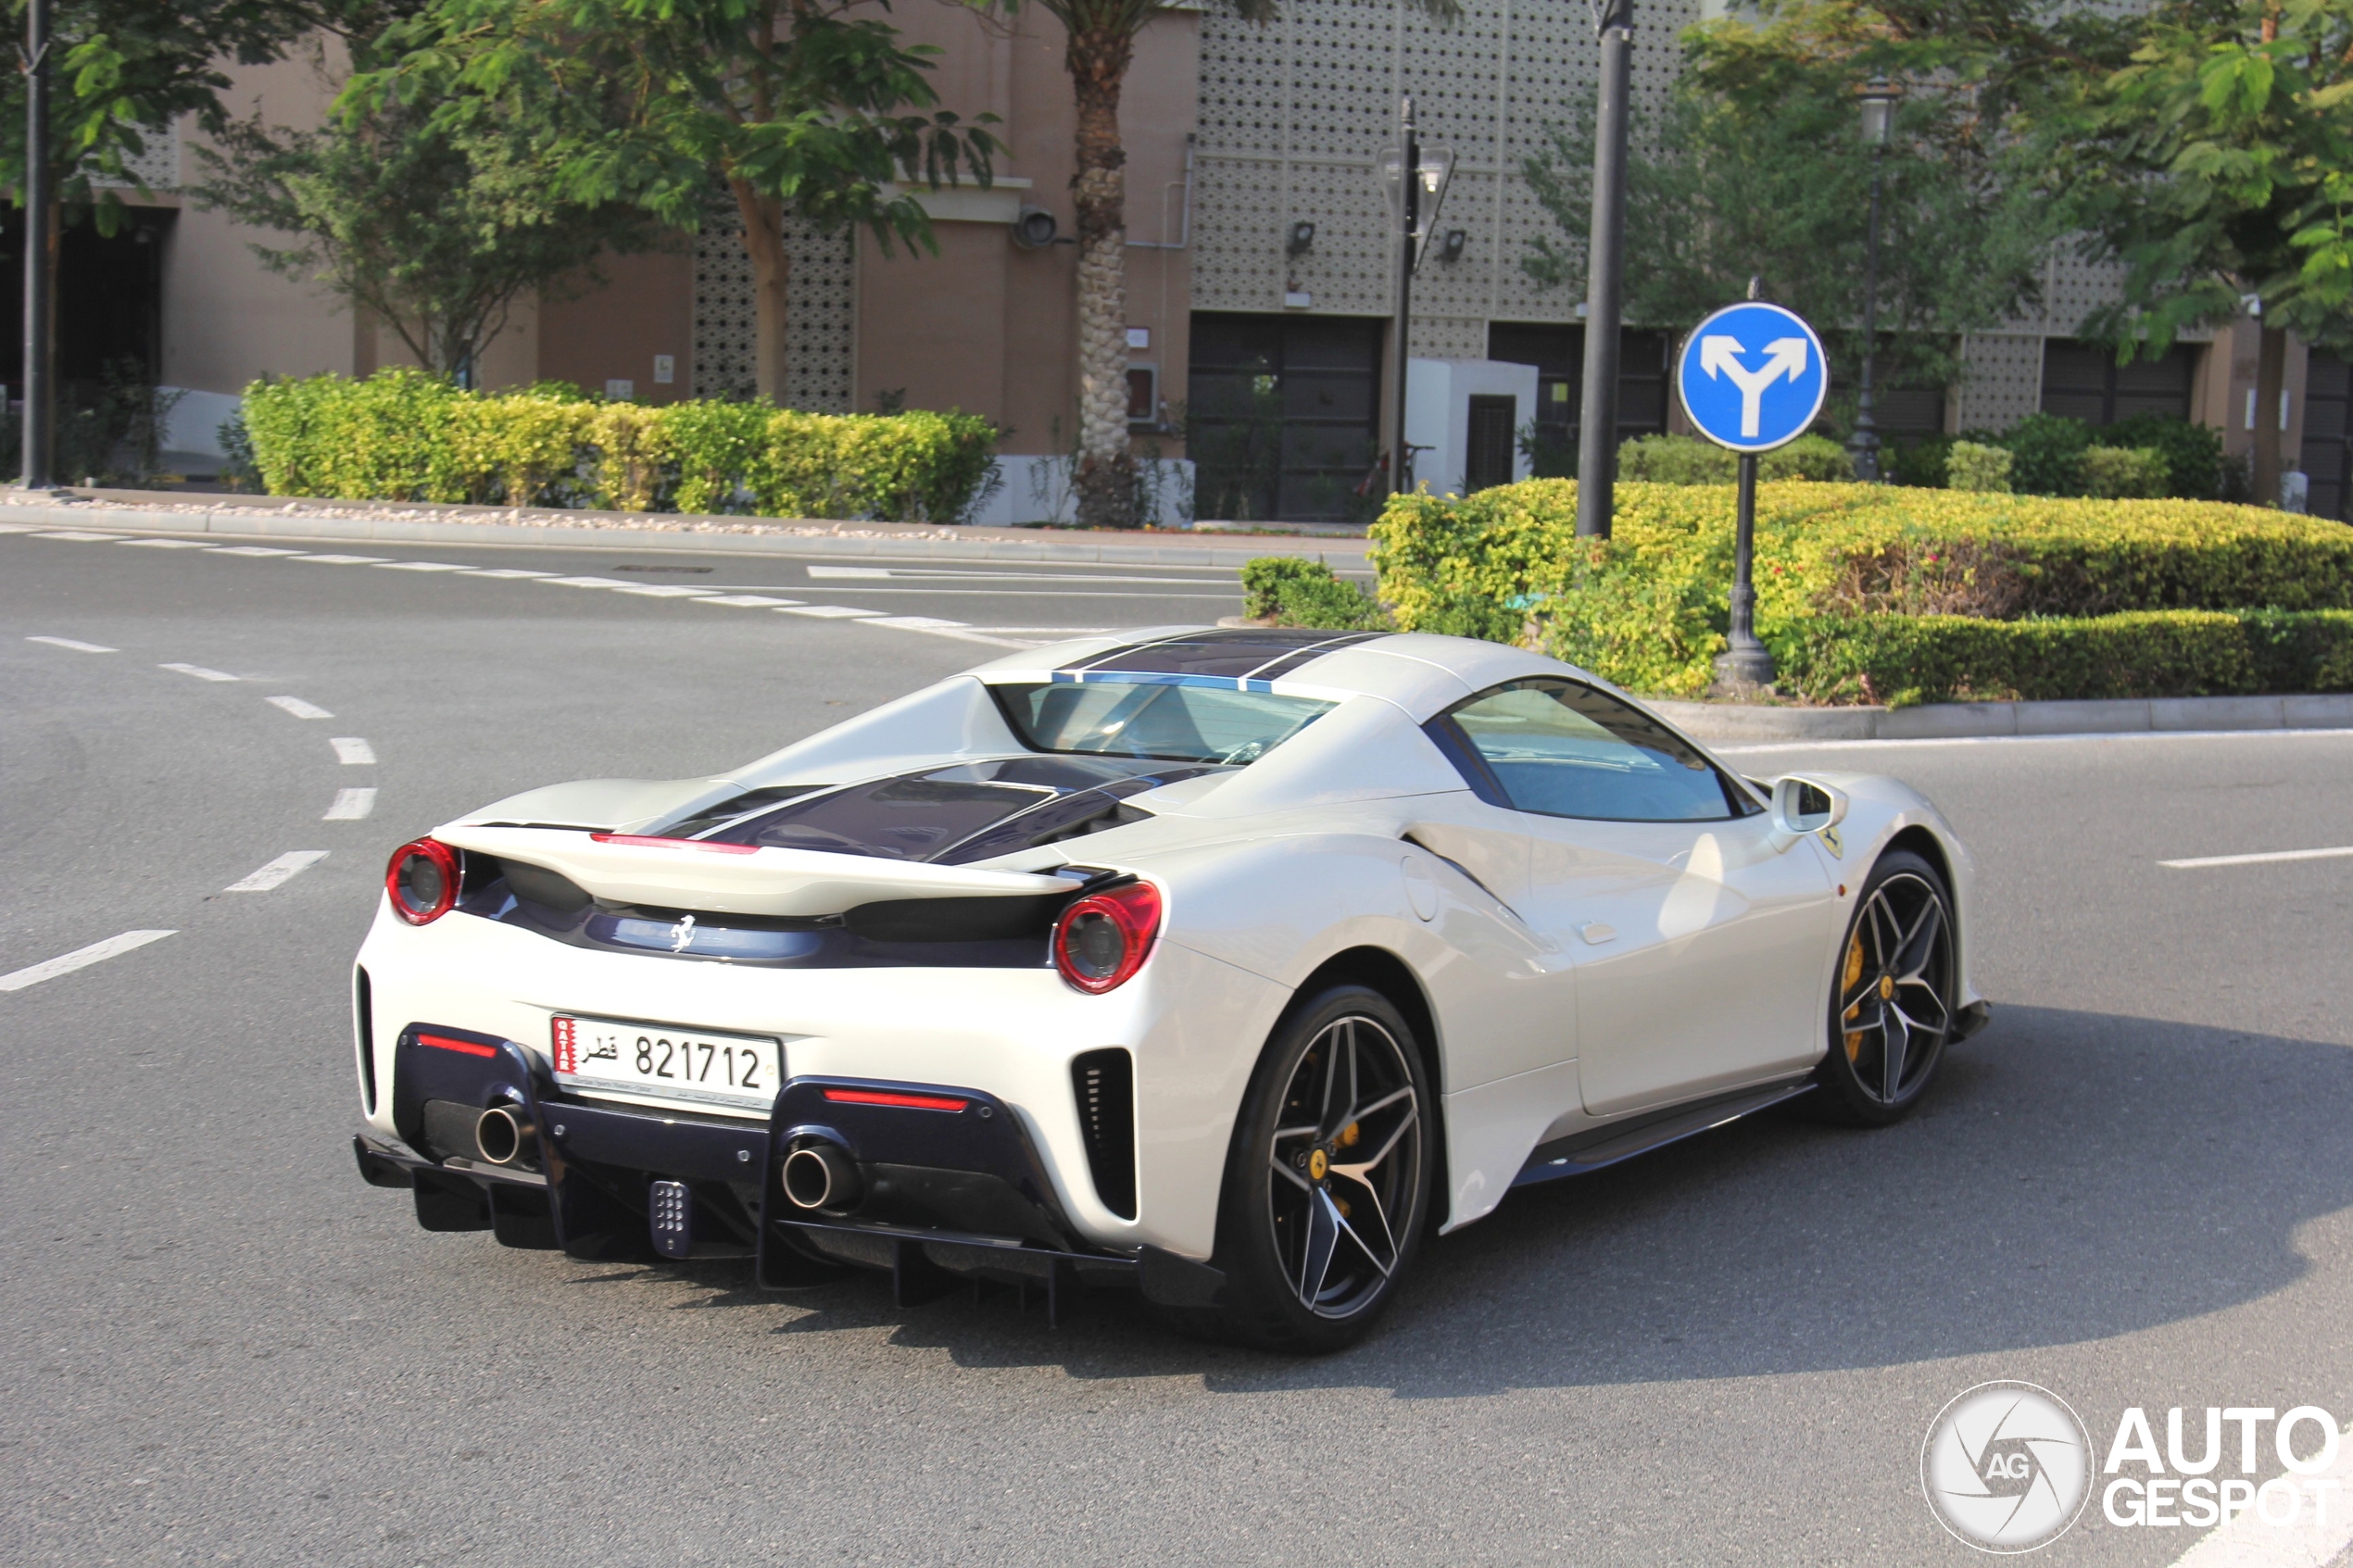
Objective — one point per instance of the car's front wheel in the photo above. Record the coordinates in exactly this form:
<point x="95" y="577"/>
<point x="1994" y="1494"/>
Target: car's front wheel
<point x="1893" y="1011"/>
<point x="1327" y="1187"/>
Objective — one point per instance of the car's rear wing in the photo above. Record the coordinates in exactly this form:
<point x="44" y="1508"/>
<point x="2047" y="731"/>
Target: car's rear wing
<point x="737" y="878"/>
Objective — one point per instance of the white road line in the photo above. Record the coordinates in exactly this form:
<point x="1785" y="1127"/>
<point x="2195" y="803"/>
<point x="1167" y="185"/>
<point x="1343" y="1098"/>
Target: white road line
<point x="250" y="550"/>
<point x="578" y="583"/>
<point x="351" y="805"/>
<point x="913" y="622"/>
<point x="2102" y="736"/>
<point x="2312" y="1538"/>
<point x="75" y="644"/>
<point x="828" y="612"/>
<point x="661" y="591"/>
<point x="1230" y="596"/>
<point x="80" y="958"/>
<point x="278" y="873"/>
<point x="167" y="544"/>
<point x="753" y="600"/>
<point x="199" y="671"/>
<point x="84" y="538"/>
<point x="348" y="560"/>
<point x="298" y="707"/>
<point x="2260" y="860"/>
<point x="870" y="573"/>
<point x="353" y="752"/>
<point x="1051" y="630"/>
<point x="421" y="566"/>
<point x="506" y="571"/>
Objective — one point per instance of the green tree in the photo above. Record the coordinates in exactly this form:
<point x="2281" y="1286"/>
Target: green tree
<point x="2216" y="163"/>
<point x="434" y="217"/>
<point x="1755" y="167"/>
<point x="1101" y="46"/>
<point x="793" y="106"/>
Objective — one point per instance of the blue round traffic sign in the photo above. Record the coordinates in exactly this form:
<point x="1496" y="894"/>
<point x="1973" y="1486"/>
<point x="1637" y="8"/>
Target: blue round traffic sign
<point x="1752" y="377"/>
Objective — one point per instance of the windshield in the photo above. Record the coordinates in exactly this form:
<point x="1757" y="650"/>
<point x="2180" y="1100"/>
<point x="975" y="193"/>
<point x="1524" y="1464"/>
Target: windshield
<point x="1158" y="719"/>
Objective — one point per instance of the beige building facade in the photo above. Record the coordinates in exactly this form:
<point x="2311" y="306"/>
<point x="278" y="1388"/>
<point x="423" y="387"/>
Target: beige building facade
<point x="1259" y="274"/>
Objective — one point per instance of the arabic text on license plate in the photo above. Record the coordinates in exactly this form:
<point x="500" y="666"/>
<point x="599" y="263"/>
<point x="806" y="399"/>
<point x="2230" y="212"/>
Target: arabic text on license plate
<point x="666" y="1062"/>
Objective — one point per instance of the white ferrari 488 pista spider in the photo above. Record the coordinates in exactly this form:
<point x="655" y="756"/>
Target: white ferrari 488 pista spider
<point x="1221" y="964"/>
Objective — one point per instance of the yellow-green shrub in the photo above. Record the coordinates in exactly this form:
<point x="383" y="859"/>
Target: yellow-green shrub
<point x="401" y="435"/>
<point x="1647" y="607"/>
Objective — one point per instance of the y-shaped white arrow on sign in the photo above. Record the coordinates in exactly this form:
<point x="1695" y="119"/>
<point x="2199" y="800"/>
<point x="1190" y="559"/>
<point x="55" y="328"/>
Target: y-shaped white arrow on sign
<point x="1721" y="353"/>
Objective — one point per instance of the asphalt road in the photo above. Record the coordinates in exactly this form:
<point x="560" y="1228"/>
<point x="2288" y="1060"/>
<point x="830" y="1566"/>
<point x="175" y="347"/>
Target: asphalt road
<point x="220" y="1347"/>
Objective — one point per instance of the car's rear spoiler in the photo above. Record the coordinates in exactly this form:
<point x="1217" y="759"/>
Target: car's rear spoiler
<point x="736" y="879"/>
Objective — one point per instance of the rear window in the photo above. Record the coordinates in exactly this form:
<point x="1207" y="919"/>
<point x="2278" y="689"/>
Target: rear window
<point x="1170" y="718"/>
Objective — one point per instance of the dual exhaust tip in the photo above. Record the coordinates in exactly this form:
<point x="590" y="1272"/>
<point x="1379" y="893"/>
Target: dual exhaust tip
<point x="816" y="1175"/>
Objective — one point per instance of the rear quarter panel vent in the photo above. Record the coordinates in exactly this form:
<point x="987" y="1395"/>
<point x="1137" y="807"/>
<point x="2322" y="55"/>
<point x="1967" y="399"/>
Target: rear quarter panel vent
<point x="1104" y="1083"/>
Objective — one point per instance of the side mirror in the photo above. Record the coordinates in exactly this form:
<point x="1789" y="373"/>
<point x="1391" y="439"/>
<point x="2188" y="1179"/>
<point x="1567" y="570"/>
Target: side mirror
<point x="1804" y="806"/>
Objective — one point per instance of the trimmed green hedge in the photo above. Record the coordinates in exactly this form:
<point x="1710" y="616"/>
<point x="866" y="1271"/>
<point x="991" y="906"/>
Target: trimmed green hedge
<point x="1686" y="460"/>
<point x="1295" y="590"/>
<point x="1647" y="607"/>
<point x="1902" y="659"/>
<point x="402" y="435"/>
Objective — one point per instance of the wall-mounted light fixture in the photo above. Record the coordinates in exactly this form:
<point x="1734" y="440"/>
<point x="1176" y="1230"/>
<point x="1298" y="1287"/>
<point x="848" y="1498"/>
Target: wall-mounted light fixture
<point x="1034" y="229"/>
<point x="1450" y="248"/>
<point x="1301" y="238"/>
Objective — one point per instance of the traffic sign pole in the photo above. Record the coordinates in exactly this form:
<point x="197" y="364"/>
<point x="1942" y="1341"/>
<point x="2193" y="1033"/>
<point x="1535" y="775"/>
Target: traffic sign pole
<point x="1604" y="266"/>
<point x="1401" y="340"/>
<point x="1745" y="662"/>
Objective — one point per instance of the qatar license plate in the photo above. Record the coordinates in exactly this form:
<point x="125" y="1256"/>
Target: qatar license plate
<point x="664" y="1061"/>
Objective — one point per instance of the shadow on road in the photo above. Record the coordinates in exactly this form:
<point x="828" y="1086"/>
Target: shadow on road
<point x="2074" y="1176"/>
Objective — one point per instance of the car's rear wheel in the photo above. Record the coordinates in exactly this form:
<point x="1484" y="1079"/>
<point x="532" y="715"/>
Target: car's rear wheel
<point x="1327" y="1187"/>
<point x="1893" y="1009"/>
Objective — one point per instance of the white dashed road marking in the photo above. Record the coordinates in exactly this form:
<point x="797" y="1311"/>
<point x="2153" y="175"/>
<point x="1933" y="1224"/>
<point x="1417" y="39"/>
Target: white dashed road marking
<point x="2260" y="860"/>
<point x="80" y="958"/>
<point x="577" y="582"/>
<point x="913" y="622"/>
<point x="85" y="538"/>
<point x="507" y="571"/>
<point x="250" y="550"/>
<point x="421" y="566"/>
<point x="199" y="671"/>
<point x="168" y="544"/>
<point x="278" y="873"/>
<point x="300" y="708"/>
<point x="348" y="560"/>
<point x="754" y="601"/>
<point x="828" y="612"/>
<point x="662" y="591"/>
<point x="75" y="644"/>
<point x="352" y="751"/>
<point x="351" y="805"/>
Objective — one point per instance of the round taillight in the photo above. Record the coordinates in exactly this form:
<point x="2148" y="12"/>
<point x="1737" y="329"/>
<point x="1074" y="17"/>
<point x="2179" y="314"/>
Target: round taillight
<point x="1104" y="938"/>
<point x="423" y="881"/>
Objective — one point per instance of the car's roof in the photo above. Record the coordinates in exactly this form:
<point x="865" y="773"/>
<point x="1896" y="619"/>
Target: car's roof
<point x="1419" y="671"/>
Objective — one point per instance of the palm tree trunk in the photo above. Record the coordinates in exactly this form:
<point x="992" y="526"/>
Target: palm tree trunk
<point x="1097" y="58"/>
<point x="770" y="272"/>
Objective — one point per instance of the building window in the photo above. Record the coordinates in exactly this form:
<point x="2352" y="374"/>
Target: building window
<point x="2327" y="456"/>
<point x="2082" y="381"/>
<point x="1283" y="416"/>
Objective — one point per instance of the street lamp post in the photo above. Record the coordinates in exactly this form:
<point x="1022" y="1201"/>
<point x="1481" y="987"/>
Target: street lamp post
<point x="1408" y="210"/>
<point x="1878" y="124"/>
<point x="40" y="260"/>
<point x="1604" y="269"/>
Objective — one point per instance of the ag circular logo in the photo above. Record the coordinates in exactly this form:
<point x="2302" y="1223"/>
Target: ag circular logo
<point x="2007" y="1467"/>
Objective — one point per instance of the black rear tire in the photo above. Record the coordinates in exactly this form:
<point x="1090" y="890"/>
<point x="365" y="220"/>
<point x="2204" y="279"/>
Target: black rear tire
<point x="1894" y="1004"/>
<point x="1326" y="1187"/>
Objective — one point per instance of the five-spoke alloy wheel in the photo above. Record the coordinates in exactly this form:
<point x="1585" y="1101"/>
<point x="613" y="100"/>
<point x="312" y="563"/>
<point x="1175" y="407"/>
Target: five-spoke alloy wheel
<point x="1894" y="1008"/>
<point x="1327" y="1190"/>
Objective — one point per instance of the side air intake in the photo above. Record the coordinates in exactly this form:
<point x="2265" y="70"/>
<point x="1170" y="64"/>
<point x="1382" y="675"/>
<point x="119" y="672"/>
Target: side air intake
<point x="1104" y="1082"/>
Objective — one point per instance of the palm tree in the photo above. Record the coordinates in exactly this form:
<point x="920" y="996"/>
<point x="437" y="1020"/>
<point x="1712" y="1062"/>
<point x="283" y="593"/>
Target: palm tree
<point x="1103" y="42"/>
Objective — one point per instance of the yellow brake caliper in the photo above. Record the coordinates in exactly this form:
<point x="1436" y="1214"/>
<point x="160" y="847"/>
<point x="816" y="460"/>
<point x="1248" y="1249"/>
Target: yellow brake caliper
<point x="1846" y="986"/>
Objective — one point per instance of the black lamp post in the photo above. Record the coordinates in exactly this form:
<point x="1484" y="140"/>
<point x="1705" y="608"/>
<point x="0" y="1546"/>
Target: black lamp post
<point x="1604" y="271"/>
<point x="40" y="255"/>
<point x="1879" y="99"/>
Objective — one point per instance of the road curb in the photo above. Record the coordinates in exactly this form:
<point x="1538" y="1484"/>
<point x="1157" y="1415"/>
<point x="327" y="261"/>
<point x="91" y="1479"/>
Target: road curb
<point x="1958" y="720"/>
<point x="120" y="512"/>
